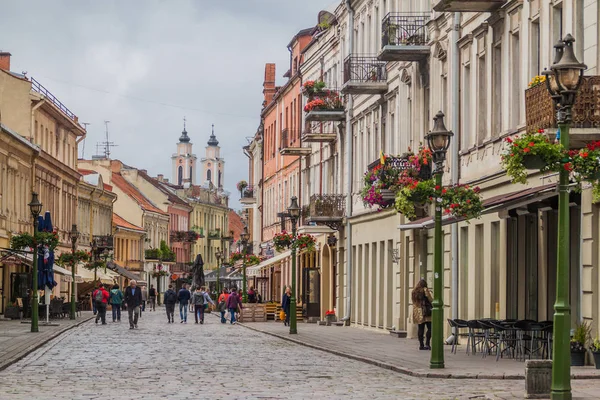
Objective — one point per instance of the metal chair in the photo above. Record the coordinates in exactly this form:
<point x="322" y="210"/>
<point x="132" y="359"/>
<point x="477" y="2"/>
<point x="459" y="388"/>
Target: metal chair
<point x="457" y="325"/>
<point x="476" y="335"/>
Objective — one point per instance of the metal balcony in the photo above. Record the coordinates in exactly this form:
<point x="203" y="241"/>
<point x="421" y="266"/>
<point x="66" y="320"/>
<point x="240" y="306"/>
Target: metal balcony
<point x="331" y="107"/>
<point x="585" y="127"/>
<point x="364" y="75"/>
<point x="291" y="145"/>
<point x="327" y="209"/>
<point x="316" y="132"/>
<point x="248" y="196"/>
<point x="468" y="5"/>
<point x="404" y="37"/>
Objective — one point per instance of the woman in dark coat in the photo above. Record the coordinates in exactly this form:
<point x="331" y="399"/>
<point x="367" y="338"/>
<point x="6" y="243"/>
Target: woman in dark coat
<point x="421" y="299"/>
<point x="285" y="304"/>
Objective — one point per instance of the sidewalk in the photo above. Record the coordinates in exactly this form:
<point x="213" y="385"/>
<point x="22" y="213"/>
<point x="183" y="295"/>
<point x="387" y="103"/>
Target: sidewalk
<point x="17" y="340"/>
<point x="403" y="355"/>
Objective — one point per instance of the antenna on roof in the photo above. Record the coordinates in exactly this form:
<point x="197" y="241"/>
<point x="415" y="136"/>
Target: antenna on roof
<point x="106" y="145"/>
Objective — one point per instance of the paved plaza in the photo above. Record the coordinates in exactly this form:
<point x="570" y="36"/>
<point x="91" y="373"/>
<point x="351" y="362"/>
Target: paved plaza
<point x="215" y="361"/>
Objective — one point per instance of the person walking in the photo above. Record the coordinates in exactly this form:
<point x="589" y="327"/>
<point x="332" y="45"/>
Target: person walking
<point x="133" y="299"/>
<point x="251" y="295"/>
<point x="285" y="304"/>
<point x="170" y="300"/>
<point x="201" y="300"/>
<point x="152" y="295"/>
<point x="233" y="303"/>
<point x="183" y="297"/>
<point x="116" y="299"/>
<point x="144" y="300"/>
<point x="222" y="305"/>
<point x="101" y="297"/>
<point x="422" y="298"/>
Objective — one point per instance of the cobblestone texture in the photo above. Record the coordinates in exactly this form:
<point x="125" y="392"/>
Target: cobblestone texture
<point x="214" y="361"/>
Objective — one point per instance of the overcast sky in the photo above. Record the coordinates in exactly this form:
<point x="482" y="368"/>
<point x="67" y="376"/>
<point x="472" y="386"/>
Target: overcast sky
<point x="145" y="64"/>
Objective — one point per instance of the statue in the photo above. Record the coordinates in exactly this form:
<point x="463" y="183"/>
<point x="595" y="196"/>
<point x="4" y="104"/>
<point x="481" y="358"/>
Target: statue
<point x="198" y="270"/>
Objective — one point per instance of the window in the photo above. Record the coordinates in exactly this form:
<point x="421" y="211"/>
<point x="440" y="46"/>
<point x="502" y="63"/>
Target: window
<point x="191" y="174"/>
<point x="466" y="108"/>
<point x="516" y="92"/>
<point x="497" y="90"/>
<point x="180" y="175"/>
<point x="463" y="284"/>
<point x="209" y="175"/>
<point x="534" y="68"/>
<point x="481" y="92"/>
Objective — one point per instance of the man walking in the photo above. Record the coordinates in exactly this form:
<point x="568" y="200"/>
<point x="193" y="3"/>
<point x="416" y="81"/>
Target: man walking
<point x="170" y="300"/>
<point x="116" y="299"/>
<point x="133" y="299"/>
<point x="152" y="295"/>
<point x="201" y="299"/>
<point x="183" y="296"/>
<point x="100" y="297"/>
<point x="233" y="303"/>
<point x="222" y="305"/>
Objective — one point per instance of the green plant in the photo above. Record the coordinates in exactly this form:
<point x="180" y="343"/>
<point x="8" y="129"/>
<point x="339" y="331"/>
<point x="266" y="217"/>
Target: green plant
<point x="586" y="167"/>
<point x="520" y="149"/>
<point x="236" y="256"/>
<point x="417" y="192"/>
<point x="69" y="259"/>
<point x="252" y="259"/>
<point x="304" y="242"/>
<point x="282" y="240"/>
<point x="581" y="336"/>
<point x="462" y="201"/>
<point x="166" y="254"/>
<point x="152" y="254"/>
<point x="595" y="346"/>
<point x="536" y="80"/>
<point x="24" y="240"/>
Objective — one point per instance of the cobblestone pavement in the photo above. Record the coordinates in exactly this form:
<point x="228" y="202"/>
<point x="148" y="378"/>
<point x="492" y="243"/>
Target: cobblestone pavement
<point x="212" y="361"/>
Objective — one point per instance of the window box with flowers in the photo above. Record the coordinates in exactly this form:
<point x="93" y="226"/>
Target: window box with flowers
<point x="531" y="151"/>
<point x="304" y="243"/>
<point x="282" y="241"/>
<point x="586" y="167"/>
<point x="313" y="88"/>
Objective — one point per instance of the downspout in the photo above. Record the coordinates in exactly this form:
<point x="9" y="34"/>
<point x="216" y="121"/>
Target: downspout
<point x="454" y="172"/>
<point x="350" y="150"/>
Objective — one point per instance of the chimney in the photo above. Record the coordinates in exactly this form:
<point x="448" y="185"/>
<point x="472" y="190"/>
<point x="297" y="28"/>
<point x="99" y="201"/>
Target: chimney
<point x="144" y="171"/>
<point x="269" y="83"/>
<point x="166" y="181"/>
<point x="5" y="60"/>
<point x="160" y="177"/>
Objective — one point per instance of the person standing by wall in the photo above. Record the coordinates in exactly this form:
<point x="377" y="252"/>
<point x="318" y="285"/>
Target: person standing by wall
<point x="133" y="299"/>
<point x="116" y="299"/>
<point x="170" y="300"/>
<point x="422" y="298"/>
<point x="285" y="304"/>
<point x="183" y="297"/>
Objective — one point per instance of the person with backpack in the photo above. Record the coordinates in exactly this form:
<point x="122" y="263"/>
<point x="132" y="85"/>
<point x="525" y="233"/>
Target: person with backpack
<point x="101" y="297"/>
<point x="233" y="304"/>
<point x="170" y="300"/>
<point x="222" y="305"/>
<point x="115" y="300"/>
<point x="421" y="299"/>
<point x="201" y="299"/>
<point x="152" y="295"/>
<point x="183" y="297"/>
<point x="133" y="299"/>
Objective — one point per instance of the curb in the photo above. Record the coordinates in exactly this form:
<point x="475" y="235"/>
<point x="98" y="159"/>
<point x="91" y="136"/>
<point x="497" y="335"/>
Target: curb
<point x="406" y="371"/>
<point x="37" y="345"/>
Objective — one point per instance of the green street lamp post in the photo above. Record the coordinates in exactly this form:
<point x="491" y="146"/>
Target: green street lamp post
<point x="294" y="213"/>
<point x="438" y="140"/>
<point x="563" y="80"/>
<point x="73" y="235"/>
<point x="218" y="254"/>
<point x="35" y="207"/>
<point x="244" y="237"/>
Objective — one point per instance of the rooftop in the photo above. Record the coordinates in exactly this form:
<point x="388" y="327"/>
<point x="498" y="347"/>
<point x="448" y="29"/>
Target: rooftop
<point x="122" y="223"/>
<point x="134" y="193"/>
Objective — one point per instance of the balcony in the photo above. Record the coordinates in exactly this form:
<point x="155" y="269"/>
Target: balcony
<point x="214" y="235"/>
<point x="540" y="112"/>
<point x="404" y="37"/>
<point x="325" y="105"/>
<point x="184" y="236"/>
<point x="179" y="268"/>
<point x="327" y="210"/>
<point x="317" y="133"/>
<point x="468" y="5"/>
<point x="291" y="147"/>
<point x="248" y="196"/>
<point x="364" y="75"/>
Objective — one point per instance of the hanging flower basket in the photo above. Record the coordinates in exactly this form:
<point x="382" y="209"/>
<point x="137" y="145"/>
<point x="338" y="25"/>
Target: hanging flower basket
<point x="241" y="185"/>
<point x="68" y="259"/>
<point x="586" y="167"/>
<point x="418" y="192"/>
<point x="26" y="240"/>
<point x="531" y="151"/>
<point x="236" y="256"/>
<point x="462" y="201"/>
<point x="252" y="259"/>
<point x="304" y="242"/>
<point x="282" y="241"/>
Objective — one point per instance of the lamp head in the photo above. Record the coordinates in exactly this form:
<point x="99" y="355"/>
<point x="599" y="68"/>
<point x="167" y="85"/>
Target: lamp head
<point x="568" y="70"/>
<point x="294" y="209"/>
<point x="245" y="236"/>
<point x="35" y="207"/>
<point x="74" y="234"/>
<point x="438" y="139"/>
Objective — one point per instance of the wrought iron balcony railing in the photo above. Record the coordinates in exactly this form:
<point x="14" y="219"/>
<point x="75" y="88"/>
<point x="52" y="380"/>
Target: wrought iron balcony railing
<point x="248" y="192"/>
<point x="405" y="29"/>
<point x="182" y="267"/>
<point x="541" y="114"/>
<point x="364" y="69"/>
<point x="327" y="209"/>
<point x="291" y="145"/>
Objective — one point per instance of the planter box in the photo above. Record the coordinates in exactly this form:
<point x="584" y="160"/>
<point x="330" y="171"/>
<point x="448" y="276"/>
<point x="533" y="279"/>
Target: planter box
<point x="578" y="358"/>
<point x="254" y="312"/>
<point x="12" y="312"/>
<point x="596" y="359"/>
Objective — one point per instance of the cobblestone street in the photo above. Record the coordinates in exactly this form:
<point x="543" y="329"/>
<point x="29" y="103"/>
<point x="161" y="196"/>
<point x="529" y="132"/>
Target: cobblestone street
<point x="188" y="361"/>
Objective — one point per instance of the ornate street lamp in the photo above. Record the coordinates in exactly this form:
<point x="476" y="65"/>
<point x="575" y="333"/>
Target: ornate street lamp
<point x="244" y="237"/>
<point x="563" y="81"/>
<point x="35" y="207"/>
<point x="438" y="140"/>
<point x="219" y="255"/>
<point x="73" y="235"/>
<point x="294" y="213"/>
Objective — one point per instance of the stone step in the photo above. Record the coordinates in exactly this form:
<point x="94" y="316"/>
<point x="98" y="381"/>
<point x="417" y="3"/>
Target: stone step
<point x="339" y="323"/>
<point x="321" y="323"/>
<point x="398" y="334"/>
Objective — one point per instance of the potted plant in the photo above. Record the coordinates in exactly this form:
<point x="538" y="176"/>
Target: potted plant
<point x="304" y="242"/>
<point x="462" y="201"/>
<point x="67" y="259"/>
<point x="313" y="88"/>
<point x="282" y="240"/>
<point x="581" y="336"/>
<point x="531" y="151"/>
<point x="152" y="254"/>
<point x="595" y="348"/>
<point x="414" y="192"/>
<point x="241" y="185"/>
<point x="236" y="256"/>
<point x="252" y="259"/>
<point x="537" y="80"/>
<point x="330" y="316"/>
<point x="586" y="167"/>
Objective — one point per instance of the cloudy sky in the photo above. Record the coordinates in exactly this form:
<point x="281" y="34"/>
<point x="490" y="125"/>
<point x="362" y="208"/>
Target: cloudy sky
<point x="145" y="64"/>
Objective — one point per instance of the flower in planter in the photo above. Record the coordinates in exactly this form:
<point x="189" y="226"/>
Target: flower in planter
<point x="585" y="165"/>
<point x="317" y="104"/>
<point x="537" y="80"/>
<point x="415" y="192"/>
<point x="330" y="312"/>
<point x="241" y="185"/>
<point x="236" y="256"/>
<point x="282" y="240"/>
<point x="534" y="150"/>
<point x="310" y="88"/>
<point x="462" y="201"/>
<point x="304" y="242"/>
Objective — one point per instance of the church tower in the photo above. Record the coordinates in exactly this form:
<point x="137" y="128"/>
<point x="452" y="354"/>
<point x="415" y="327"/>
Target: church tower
<point x="184" y="161"/>
<point x="213" y="166"/>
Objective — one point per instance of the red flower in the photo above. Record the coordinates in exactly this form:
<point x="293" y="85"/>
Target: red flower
<point x="568" y="167"/>
<point x="437" y="187"/>
<point x="531" y="144"/>
<point x="540" y="131"/>
<point x="508" y="140"/>
<point x="526" y="150"/>
<point x="584" y="154"/>
<point x="444" y="191"/>
<point x="468" y="201"/>
<point x="572" y="153"/>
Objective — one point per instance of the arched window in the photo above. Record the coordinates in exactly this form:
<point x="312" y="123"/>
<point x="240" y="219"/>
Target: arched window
<point x="180" y="175"/>
<point x="190" y="177"/>
<point x="208" y="175"/>
<point x="219" y="179"/>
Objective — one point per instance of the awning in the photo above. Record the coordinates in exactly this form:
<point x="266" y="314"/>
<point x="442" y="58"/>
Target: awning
<point x="124" y="272"/>
<point x="67" y="276"/>
<point x="87" y="275"/>
<point x="253" y="271"/>
<point x="506" y="201"/>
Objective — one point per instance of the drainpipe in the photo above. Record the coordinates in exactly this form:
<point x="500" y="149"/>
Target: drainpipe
<point x="454" y="166"/>
<point x="349" y="147"/>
